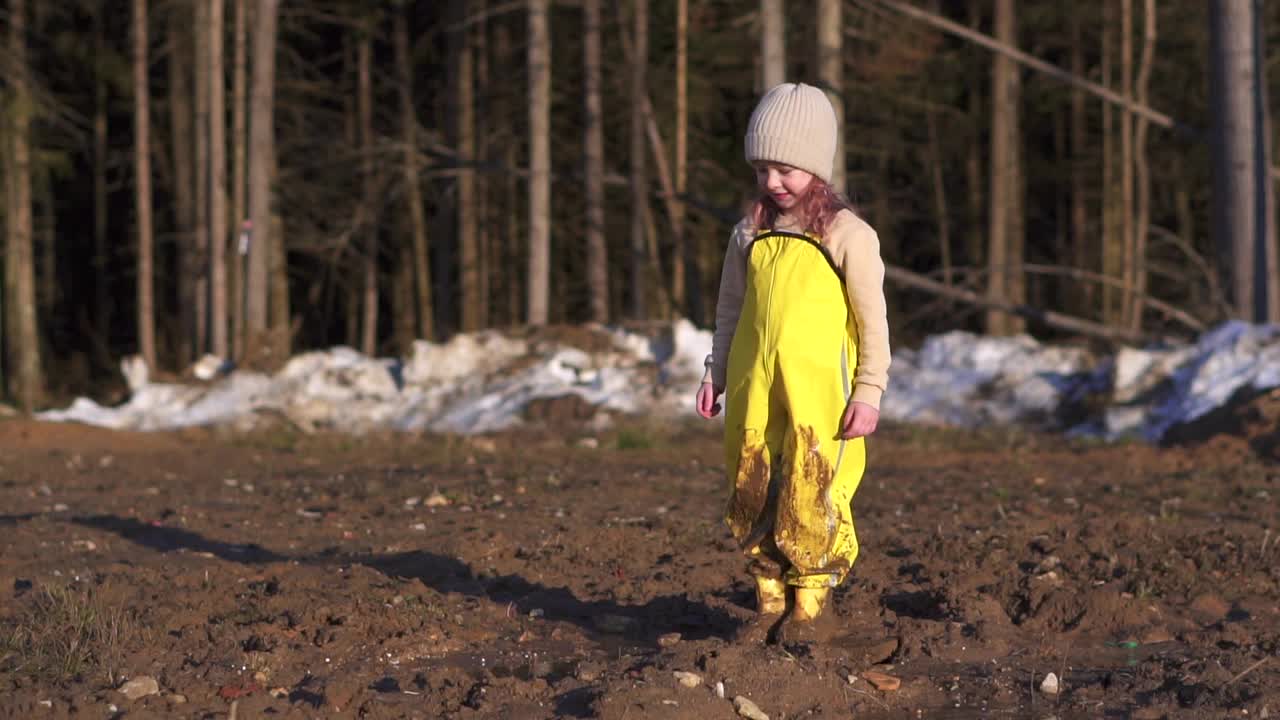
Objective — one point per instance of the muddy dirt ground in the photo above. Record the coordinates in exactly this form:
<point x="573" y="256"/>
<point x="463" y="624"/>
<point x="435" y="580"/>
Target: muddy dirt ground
<point x="572" y="573"/>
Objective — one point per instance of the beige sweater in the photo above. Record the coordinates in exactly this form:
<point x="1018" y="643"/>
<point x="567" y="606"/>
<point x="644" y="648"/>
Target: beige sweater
<point x="854" y="247"/>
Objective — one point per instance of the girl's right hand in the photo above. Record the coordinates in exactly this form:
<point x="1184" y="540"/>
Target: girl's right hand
<point x="706" y="401"/>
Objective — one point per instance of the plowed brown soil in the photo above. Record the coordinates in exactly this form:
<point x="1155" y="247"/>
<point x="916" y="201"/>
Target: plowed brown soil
<point x="546" y="574"/>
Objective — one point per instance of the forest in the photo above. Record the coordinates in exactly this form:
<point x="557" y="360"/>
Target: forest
<point x="252" y="178"/>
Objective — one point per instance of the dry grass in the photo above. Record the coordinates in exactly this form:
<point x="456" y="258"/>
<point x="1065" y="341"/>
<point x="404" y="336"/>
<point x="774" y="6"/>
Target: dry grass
<point x="65" y="634"/>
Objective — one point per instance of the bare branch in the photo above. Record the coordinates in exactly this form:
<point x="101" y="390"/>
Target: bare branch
<point x="1036" y="63"/>
<point x="905" y="277"/>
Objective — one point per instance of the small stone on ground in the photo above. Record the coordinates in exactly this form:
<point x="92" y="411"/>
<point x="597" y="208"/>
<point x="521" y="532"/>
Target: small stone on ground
<point x="881" y="681"/>
<point x="748" y="709"/>
<point x="140" y="687"/>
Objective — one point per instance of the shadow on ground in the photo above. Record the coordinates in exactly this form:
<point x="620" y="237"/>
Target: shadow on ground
<point x="597" y="618"/>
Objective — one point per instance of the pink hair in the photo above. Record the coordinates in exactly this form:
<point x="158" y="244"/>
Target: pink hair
<point x="815" y="209"/>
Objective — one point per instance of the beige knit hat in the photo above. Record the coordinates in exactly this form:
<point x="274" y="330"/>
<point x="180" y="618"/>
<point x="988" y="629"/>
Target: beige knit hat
<point x="795" y="125"/>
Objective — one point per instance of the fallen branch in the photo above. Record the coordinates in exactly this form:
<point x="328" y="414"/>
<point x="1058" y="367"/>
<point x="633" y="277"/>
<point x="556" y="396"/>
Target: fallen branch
<point x="1151" y="114"/>
<point x="1051" y="318"/>
<point x="1210" y="275"/>
<point x="970" y="273"/>
<point x="1246" y="671"/>
<point x="1159" y="306"/>
<point x="1035" y="63"/>
<point x="878" y="701"/>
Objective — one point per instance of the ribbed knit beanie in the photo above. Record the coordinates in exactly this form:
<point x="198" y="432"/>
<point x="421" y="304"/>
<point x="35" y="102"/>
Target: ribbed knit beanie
<point x="795" y="125"/>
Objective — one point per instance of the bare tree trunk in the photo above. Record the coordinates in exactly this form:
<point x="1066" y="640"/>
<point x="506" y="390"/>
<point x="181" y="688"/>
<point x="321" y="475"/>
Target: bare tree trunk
<point x="1271" y="262"/>
<point x="1081" y="238"/>
<point x="1185" y="232"/>
<point x="773" y="44"/>
<point x="464" y="128"/>
<point x="1238" y="146"/>
<point x="940" y="204"/>
<point x="47" y="269"/>
<point x="831" y="76"/>
<point x="101" y="286"/>
<point x="181" y="116"/>
<point x="351" y="332"/>
<point x="1112" y="231"/>
<point x="413" y="186"/>
<point x="662" y="304"/>
<point x="1017" y="216"/>
<point x="364" y="102"/>
<point x="597" y="253"/>
<point x="933" y="159"/>
<point x="201" y="268"/>
<point x="261" y="149"/>
<point x="481" y="114"/>
<point x="881" y="214"/>
<point x="8" y="353"/>
<point x="218" y="235"/>
<point x="973" y="159"/>
<point x="403" y="323"/>
<point x="539" y="163"/>
<point x="513" y="249"/>
<point x="281" y="329"/>
<point x="1142" y="221"/>
<point x="1056" y="290"/>
<point x="681" y="295"/>
<point x="651" y="256"/>
<point x="1267" y="264"/>
<point x="973" y="178"/>
<point x="350" y="116"/>
<point x="238" y="142"/>
<point x="1002" y="180"/>
<point x="8" y="320"/>
<point x="938" y="176"/>
<point x="142" y="173"/>
<point x="19" y="262"/>
<point x="692" y="275"/>
<point x="639" y="178"/>
<point x="1126" y="162"/>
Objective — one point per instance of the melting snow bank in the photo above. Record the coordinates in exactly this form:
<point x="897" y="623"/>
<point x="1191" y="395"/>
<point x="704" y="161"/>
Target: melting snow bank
<point x="483" y="382"/>
<point x="1157" y="390"/>
<point x="480" y="382"/>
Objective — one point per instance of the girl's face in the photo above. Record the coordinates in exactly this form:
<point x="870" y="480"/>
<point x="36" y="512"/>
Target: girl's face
<point x="784" y="183"/>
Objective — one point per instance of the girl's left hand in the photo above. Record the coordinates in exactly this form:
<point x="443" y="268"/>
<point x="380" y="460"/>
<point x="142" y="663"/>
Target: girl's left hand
<point x="705" y="402"/>
<point x="860" y="420"/>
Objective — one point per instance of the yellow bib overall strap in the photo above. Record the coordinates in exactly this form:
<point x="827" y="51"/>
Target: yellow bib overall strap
<point x="790" y="373"/>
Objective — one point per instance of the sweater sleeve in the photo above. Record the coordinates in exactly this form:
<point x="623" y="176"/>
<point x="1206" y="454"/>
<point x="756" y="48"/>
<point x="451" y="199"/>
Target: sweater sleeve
<point x="855" y="248"/>
<point x="733" y="283"/>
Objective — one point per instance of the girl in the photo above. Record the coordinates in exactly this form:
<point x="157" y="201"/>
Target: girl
<point x="802" y="346"/>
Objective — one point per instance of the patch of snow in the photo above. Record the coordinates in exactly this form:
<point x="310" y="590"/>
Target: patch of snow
<point x="208" y="367"/>
<point x="135" y="371"/>
<point x="463" y="356"/>
<point x="162" y="406"/>
<point x="484" y="381"/>
<point x="963" y="379"/>
<point x="1198" y="379"/>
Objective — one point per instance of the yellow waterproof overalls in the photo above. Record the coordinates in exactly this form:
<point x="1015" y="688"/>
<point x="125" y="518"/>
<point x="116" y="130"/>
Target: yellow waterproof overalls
<point x="790" y="373"/>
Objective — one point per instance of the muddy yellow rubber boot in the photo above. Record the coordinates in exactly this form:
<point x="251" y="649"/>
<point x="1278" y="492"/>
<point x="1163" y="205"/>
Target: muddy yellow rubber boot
<point x="810" y="621"/>
<point x="810" y="603"/>
<point x="771" y="596"/>
<point x="771" y="602"/>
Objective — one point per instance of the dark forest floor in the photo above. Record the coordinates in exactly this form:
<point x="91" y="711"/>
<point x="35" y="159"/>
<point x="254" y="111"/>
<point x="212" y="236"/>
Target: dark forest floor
<point x="545" y="574"/>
